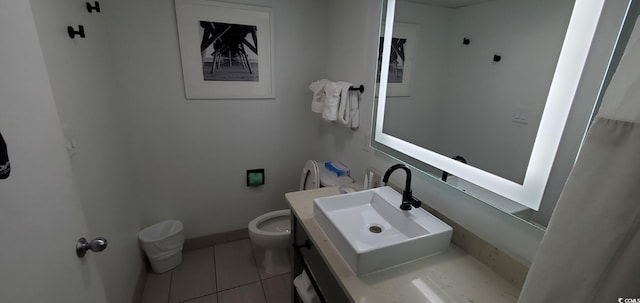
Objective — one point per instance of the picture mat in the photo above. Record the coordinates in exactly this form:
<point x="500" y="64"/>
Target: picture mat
<point x="189" y="13"/>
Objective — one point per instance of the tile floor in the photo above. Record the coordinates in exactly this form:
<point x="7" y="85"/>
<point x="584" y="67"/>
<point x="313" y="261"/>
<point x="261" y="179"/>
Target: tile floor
<point x="224" y="273"/>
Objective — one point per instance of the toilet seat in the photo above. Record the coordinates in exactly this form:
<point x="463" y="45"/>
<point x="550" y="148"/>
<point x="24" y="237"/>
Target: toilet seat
<point x="254" y="225"/>
<point x="310" y="178"/>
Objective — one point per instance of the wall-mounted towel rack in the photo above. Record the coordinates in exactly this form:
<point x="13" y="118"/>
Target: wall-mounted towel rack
<point x="359" y="88"/>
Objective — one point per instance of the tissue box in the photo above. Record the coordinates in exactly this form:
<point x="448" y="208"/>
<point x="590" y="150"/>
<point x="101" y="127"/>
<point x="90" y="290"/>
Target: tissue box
<point x="337" y="168"/>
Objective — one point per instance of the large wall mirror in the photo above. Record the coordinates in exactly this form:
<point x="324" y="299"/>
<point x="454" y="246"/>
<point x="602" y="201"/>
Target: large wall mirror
<point x="482" y="89"/>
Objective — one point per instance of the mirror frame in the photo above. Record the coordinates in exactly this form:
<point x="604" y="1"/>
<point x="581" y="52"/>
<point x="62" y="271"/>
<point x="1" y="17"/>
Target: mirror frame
<point x="571" y="62"/>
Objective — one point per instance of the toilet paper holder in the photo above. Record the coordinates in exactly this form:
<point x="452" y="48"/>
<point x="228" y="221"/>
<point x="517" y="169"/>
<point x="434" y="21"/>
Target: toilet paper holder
<point x="255" y="177"/>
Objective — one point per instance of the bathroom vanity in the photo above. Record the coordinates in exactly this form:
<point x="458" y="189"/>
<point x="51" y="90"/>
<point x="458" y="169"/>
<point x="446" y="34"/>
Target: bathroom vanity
<point x="450" y="276"/>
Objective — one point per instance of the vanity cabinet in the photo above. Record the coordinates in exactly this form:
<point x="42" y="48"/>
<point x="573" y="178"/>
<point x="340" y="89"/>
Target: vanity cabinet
<point x="451" y="276"/>
<point x="306" y="256"/>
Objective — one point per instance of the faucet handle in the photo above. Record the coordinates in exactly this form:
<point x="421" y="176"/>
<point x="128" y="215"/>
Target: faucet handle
<point x="415" y="202"/>
<point x="409" y="200"/>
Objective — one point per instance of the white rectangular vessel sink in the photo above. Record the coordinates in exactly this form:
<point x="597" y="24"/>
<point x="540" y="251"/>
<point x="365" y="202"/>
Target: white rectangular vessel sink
<point x="372" y="233"/>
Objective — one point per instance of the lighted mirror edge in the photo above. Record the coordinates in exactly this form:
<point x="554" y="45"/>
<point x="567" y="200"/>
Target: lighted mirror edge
<point x="386" y="56"/>
<point x="573" y="55"/>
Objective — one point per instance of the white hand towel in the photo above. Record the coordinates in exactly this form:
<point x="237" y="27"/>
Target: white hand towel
<point x="317" y="87"/>
<point x="344" y="109"/>
<point x="348" y="111"/>
<point x="332" y="101"/>
<point x="355" y="109"/>
<point x="304" y="288"/>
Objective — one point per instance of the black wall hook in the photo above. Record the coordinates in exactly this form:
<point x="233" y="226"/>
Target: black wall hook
<point x="466" y="41"/>
<point x="359" y="88"/>
<point x="72" y="32"/>
<point x="497" y="58"/>
<point x="94" y="7"/>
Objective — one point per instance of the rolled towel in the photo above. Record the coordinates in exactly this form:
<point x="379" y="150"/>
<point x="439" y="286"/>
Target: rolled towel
<point x="332" y="101"/>
<point x="317" y="102"/>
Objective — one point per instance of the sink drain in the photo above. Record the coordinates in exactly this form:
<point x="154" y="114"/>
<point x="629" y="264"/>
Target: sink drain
<point x="375" y="229"/>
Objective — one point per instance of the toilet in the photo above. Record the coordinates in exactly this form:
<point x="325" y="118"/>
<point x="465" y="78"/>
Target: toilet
<point x="270" y="233"/>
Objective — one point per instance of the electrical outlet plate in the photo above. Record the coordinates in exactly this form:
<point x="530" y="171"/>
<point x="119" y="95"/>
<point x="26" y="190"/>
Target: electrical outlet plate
<point x="521" y="116"/>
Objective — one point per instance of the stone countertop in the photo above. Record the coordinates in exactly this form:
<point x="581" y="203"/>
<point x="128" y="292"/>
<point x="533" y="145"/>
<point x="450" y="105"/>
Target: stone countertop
<point x="451" y="276"/>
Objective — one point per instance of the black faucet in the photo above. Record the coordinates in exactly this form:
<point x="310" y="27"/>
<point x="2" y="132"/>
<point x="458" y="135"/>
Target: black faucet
<point x="407" y="198"/>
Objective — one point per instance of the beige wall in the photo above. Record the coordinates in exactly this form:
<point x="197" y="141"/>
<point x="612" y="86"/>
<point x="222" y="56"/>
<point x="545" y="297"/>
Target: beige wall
<point x="190" y="156"/>
<point x="88" y="103"/>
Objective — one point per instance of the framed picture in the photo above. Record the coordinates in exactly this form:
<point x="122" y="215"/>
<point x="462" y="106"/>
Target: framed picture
<point x="226" y="50"/>
<point x="401" y="61"/>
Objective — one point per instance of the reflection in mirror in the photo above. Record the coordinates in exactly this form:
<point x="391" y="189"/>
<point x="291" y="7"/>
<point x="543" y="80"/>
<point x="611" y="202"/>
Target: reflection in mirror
<point x="475" y="79"/>
<point x="485" y="111"/>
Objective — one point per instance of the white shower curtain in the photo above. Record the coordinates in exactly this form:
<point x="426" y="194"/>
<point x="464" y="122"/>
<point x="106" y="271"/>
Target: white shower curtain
<point x="591" y="250"/>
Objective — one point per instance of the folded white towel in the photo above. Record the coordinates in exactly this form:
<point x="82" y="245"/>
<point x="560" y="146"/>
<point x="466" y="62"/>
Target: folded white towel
<point x="348" y="111"/>
<point x="317" y="87"/>
<point x="332" y="101"/>
<point x="304" y="288"/>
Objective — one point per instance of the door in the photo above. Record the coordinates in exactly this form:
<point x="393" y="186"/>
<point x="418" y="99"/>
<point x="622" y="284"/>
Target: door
<point x="40" y="214"/>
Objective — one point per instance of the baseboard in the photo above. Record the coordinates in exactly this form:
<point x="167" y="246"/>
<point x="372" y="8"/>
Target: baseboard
<point x="214" y="239"/>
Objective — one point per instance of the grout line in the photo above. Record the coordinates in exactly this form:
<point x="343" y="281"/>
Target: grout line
<point x="170" y="286"/>
<point x="276" y="276"/>
<point x="239" y="286"/>
<point x="200" y="296"/>
<point x="217" y="290"/>
<point x="264" y="292"/>
<point x="255" y="261"/>
<point x="194" y="298"/>
<point x="256" y="266"/>
<point x="245" y="284"/>
<point x="215" y="270"/>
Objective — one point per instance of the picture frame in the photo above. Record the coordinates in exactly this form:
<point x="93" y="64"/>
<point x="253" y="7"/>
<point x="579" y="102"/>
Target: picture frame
<point x="226" y="50"/>
<point x="404" y="44"/>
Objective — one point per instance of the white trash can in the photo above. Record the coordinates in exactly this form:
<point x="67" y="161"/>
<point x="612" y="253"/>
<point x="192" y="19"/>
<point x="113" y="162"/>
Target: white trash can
<point x="162" y="242"/>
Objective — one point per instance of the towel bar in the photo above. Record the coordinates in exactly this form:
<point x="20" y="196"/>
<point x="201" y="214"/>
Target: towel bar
<point x="360" y="88"/>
